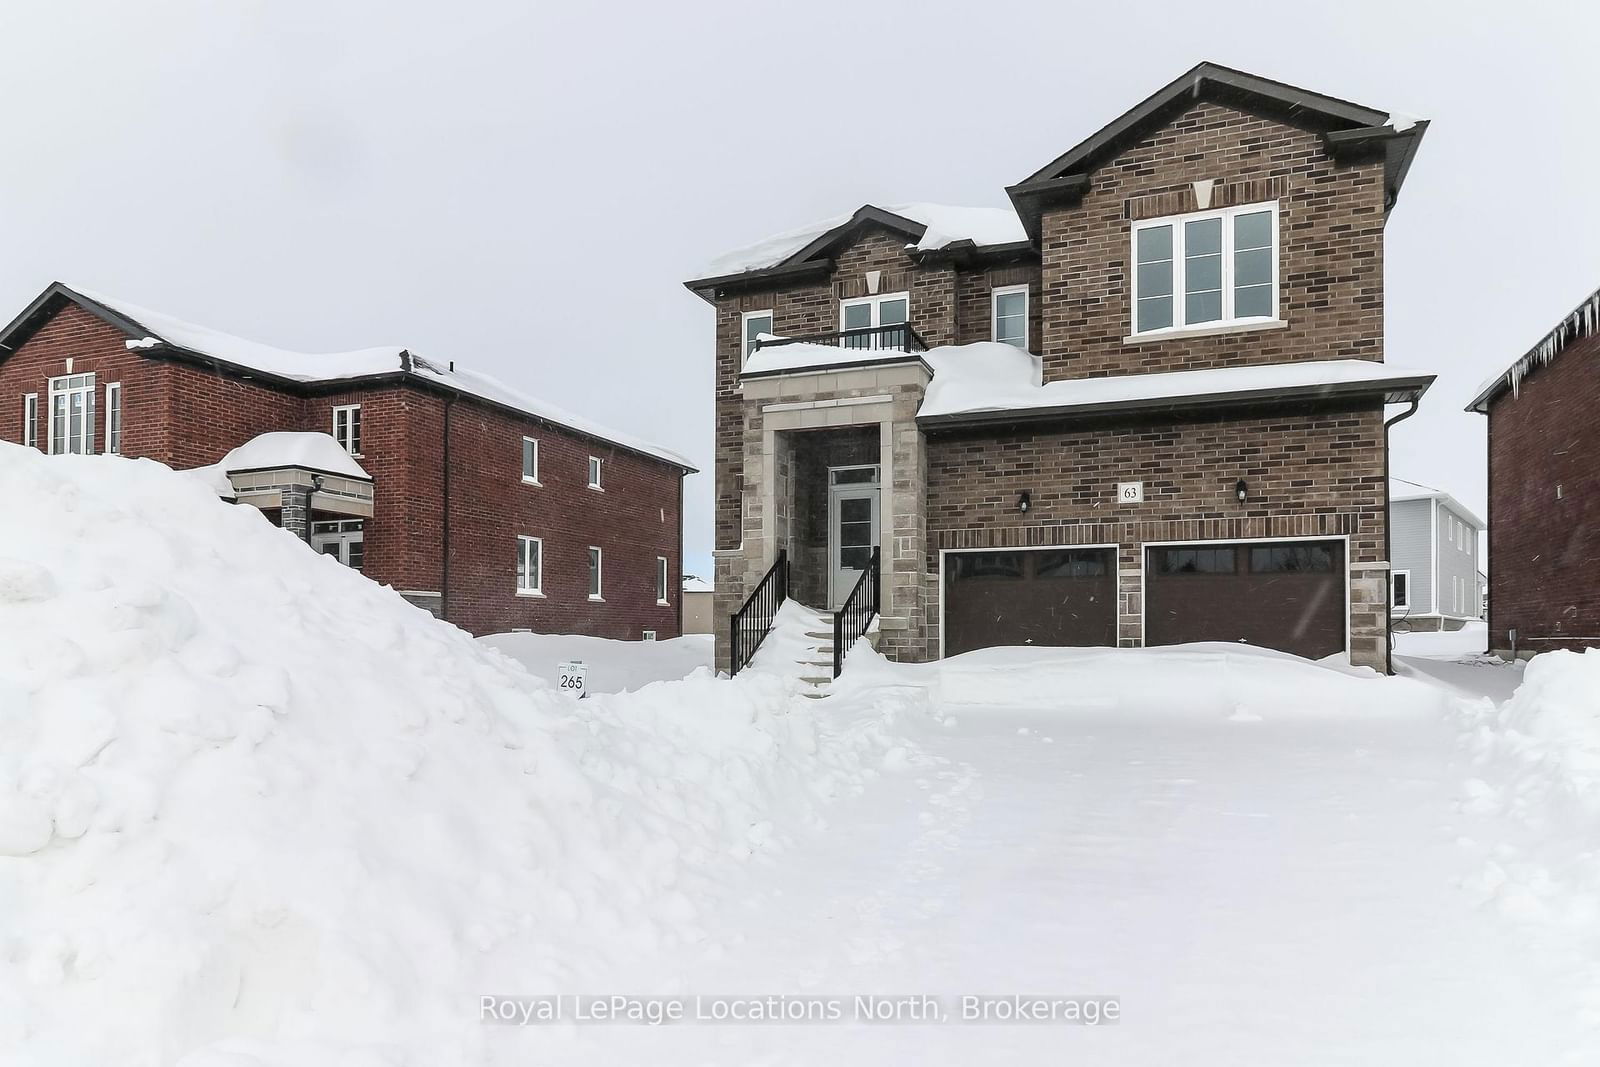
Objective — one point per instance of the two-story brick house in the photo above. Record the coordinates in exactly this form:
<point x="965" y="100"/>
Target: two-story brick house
<point x="475" y="501"/>
<point x="1144" y="405"/>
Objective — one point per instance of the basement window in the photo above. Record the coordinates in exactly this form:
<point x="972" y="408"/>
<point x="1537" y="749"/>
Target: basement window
<point x="72" y="415"/>
<point x="1400" y="589"/>
<point x="347" y="428"/>
<point x="1209" y="269"/>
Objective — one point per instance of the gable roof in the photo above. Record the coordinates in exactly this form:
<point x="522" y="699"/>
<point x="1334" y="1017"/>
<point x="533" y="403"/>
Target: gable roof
<point x="1580" y="322"/>
<point x="160" y="335"/>
<point x="928" y="228"/>
<point x="1402" y="490"/>
<point x="1347" y="130"/>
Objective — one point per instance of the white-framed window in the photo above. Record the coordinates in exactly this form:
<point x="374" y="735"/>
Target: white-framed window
<point x="347" y="427"/>
<point x="530" y="460"/>
<point x="1009" y="305"/>
<point x="1400" y="589"/>
<point x="72" y="414"/>
<point x="661" y="579"/>
<point x="1211" y="268"/>
<point x="30" y="420"/>
<point x="596" y="564"/>
<point x="889" y="309"/>
<point x="594" y="473"/>
<point x="649" y="635"/>
<point x="751" y="325"/>
<point x="113" y="418"/>
<point x="530" y="566"/>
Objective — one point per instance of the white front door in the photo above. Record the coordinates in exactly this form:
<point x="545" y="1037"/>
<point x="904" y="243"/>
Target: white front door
<point x="852" y="535"/>
<point x="344" y="540"/>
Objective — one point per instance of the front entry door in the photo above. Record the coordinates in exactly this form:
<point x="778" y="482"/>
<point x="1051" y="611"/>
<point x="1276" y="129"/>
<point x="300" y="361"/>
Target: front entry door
<point x="344" y="540"/>
<point x="852" y="534"/>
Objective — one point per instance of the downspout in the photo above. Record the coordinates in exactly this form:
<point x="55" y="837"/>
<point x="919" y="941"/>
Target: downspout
<point x="1388" y="541"/>
<point x="444" y="566"/>
<point x="679" y="598"/>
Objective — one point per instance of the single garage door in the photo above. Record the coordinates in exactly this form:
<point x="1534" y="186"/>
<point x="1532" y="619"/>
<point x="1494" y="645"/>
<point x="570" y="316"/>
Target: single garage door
<point x="1055" y="596"/>
<point x="1287" y="595"/>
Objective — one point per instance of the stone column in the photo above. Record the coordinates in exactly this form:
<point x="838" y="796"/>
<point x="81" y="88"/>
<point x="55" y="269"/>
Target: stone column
<point x="1369" y="614"/>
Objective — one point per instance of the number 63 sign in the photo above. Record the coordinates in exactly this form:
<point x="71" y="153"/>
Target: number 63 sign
<point x="570" y="678"/>
<point x="1130" y="492"/>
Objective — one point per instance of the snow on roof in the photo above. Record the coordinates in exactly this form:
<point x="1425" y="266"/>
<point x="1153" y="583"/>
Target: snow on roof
<point x="365" y="362"/>
<point x="692" y="584"/>
<point x="288" y="448"/>
<point x="945" y="224"/>
<point x="1401" y="490"/>
<point x="1582" y="321"/>
<point x="803" y="355"/>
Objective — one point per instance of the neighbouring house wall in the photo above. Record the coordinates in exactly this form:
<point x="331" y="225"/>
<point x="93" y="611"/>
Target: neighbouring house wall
<point x="1544" y="506"/>
<point x="1411" y="535"/>
<point x="1330" y="230"/>
<point x="1458" y="565"/>
<point x="1309" y="474"/>
<point x="697" y="612"/>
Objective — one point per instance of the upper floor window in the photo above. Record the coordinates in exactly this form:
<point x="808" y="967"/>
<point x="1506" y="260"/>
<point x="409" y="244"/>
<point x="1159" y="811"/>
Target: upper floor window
<point x="347" y="428"/>
<point x="72" y="414"/>
<point x="114" y="418"/>
<point x="1011" y="315"/>
<point x="1214" y="268"/>
<point x="594" y="472"/>
<point x="595" y="588"/>
<point x="30" y="420"/>
<point x="530" y="460"/>
<point x="890" y="309"/>
<point x="754" y="324"/>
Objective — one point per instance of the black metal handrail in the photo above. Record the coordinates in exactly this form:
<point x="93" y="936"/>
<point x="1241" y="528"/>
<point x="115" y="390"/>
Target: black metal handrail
<point x="751" y="623"/>
<point x="896" y="337"/>
<point x="857" y="612"/>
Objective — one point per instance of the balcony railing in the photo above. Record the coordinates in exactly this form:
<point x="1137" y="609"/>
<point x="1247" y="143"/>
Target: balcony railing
<point x="897" y="337"/>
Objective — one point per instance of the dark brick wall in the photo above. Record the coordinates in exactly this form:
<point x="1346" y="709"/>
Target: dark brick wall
<point x="187" y="416"/>
<point x="1544" y="549"/>
<point x="1330" y="230"/>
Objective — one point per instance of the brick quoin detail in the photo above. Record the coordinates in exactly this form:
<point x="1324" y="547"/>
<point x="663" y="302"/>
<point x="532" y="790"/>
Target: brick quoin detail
<point x="186" y="416"/>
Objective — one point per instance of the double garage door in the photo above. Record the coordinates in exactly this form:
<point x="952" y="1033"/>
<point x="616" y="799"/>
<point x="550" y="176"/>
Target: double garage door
<point x="1288" y="595"/>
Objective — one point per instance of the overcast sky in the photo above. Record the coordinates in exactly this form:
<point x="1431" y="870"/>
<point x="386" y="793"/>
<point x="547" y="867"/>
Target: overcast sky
<point x="524" y="186"/>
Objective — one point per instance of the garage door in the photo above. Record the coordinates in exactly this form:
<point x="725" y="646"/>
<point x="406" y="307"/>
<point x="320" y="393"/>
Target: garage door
<point x="1284" y="595"/>
<point x="1057" y="596"/>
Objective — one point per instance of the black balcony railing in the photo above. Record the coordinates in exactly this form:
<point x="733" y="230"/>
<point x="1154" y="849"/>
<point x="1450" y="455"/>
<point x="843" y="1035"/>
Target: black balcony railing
<point x="857" y="613"/>
<point x="899" y="337"/>
<point x="753" y="622"/>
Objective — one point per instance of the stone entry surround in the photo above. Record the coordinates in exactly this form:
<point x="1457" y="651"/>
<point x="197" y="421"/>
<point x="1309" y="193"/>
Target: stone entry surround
<point x="886" y="397"/>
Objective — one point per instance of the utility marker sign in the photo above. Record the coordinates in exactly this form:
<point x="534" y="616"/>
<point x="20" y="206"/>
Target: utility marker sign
<point x="572" y="678"/>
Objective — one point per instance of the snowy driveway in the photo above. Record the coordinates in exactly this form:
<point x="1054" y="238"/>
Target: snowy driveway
<point x="1254" y="889"/>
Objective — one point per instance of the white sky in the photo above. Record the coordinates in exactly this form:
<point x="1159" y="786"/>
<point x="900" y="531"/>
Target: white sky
<point x="524" y="186"/>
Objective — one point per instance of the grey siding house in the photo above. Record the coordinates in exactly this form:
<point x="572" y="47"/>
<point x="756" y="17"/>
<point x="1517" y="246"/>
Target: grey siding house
<point x="1434" y="550"/>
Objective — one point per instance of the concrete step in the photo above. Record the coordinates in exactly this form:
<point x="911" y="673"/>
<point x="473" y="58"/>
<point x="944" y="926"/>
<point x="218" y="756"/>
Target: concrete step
<point x="813" y="696"/>
<point x="817" y="679"/>
<point x="819" y="636"/>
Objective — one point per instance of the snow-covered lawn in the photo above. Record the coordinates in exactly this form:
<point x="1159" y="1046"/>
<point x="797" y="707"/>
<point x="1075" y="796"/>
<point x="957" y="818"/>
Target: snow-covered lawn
<point x="257" y="811"/>
<point x="614" y="666"/>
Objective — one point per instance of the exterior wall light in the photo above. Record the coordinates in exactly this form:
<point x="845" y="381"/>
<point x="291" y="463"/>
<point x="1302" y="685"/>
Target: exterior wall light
<point x="1024" y="502"/>
<point x="1241" y="490"/>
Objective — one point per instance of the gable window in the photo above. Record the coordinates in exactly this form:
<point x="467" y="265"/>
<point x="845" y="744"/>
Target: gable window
<point x="661" y="579"/>
<point x="1213" y="268"/>
<point x="754" y="324"/>
<point x="530" y="461"/>
<point x="113" y="418"/>
<point x="30" y="420"/>
<point x="347" y="428"/>
<point x="890" y="309"/>
<point x="72" y="414"/>
<point x="1011" y="315"/>
<point x="594" y="473"/>
<point x="530" y="566"/>
<point x="595" y="588"/>
<point x="1400" y="589"/>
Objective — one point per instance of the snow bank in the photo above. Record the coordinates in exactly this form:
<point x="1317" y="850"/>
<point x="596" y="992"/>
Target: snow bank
<point x="614" y="666"/>
<point x="256" y="809"/>
<point x="1558" y="705"/>
<point x="1205" y="679"/>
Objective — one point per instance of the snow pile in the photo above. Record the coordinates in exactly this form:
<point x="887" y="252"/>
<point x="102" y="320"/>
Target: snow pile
<point x="1558" y="706"/>
<point x="290" y="448"/>
<point x="944" y="225"/>
<point x="613" y="666"/>
<point x="256" y="809"/>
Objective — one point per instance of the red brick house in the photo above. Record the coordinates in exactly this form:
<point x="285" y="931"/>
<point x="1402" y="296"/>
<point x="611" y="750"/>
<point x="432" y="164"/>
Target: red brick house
<point x="481" y="504"/>
<point x="1145" y="404"/>
<point x="1544" y="491"/>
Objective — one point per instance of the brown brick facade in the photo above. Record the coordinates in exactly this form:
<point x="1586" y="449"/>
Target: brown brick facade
<point x="186" y="415"/>
<point x="1544" y="506"/>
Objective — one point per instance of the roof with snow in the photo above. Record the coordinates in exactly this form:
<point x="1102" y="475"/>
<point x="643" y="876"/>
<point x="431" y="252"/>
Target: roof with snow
<point x="993" y="382"/>
<point x="1401" y="490"/>
<point x="694" y="584"/>
<point x="159" y="333"/>
<point x="927" y="228"/>
<point x="1581" y="322"/>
